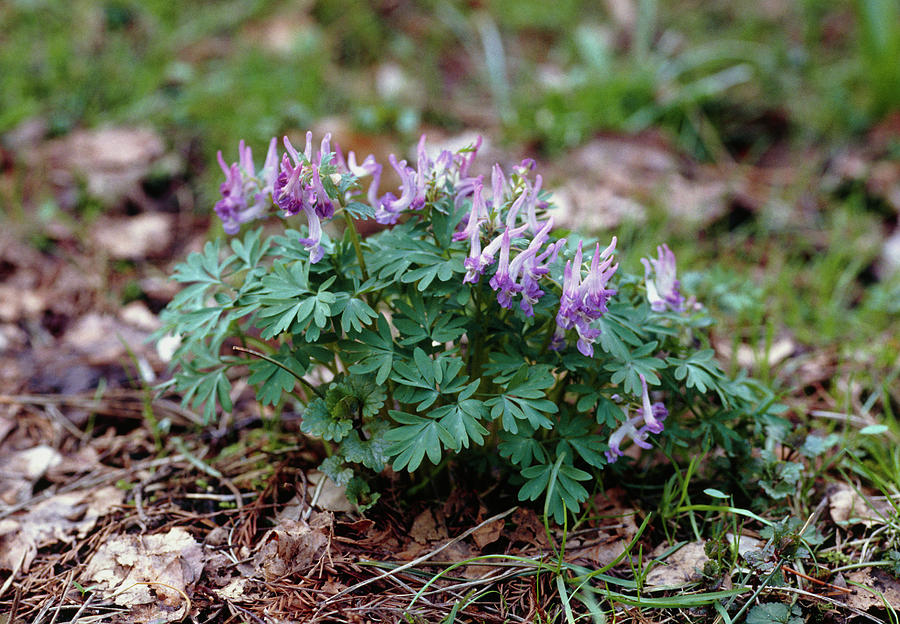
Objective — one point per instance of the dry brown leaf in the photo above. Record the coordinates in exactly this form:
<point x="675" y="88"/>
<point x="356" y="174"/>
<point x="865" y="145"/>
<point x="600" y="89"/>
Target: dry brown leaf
<point x="488" y="533"/>
<point x="600" y="553"/>
<point x="847" y="507"/>
<point x="19" y="471"/>
<point x="425" y="528"/>
<point x="62" y="518"/>
<point x="682" y="566"/>
<point x="332" y="497"/>
<point x="112" y="161"/>
<point x="293" y="546"/>
<point x="528" y="529"/>
<point x="878" y="581"/>
<point x="102" y="339"/>
<point x="147" y="572"/>
<point x="134" y="238"/>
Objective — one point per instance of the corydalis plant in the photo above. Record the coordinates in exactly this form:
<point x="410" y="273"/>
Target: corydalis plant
<point x="464" y="324"/>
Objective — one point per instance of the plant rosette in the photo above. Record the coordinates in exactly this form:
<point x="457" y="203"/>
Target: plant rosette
<point x="465" y="323"/>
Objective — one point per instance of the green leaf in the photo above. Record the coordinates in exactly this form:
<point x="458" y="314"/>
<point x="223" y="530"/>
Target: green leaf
<point x="318" y="422"/>
<point x="461" y="420"/>
<point x="359" y="210"/>
<point x="271" y="380"/>
<point x="626" y="369"/>
<point x="521" y="449"/>
<point x="775" y="613"/>
<point x="567" y="492"/>
<point x="525" y="399"/>
<point x="355" y="313"/>
<point x="418" y="436"/>
<point x="333" y="468"/>
<point x="372" y="351"/>
<point x="373" y="452"/>
<point x="204" y="388"/>
<point x="700" y="371"/>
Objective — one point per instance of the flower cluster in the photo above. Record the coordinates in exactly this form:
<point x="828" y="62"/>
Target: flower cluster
<point x="583" y="302"/>
<point x="503" y="225"/>
<point x="246" y="194"/>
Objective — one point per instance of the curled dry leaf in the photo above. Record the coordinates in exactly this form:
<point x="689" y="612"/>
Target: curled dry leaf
<point x="62" y="518"/>
<point x="147" y="573"/>
<point x="293" y="547"/>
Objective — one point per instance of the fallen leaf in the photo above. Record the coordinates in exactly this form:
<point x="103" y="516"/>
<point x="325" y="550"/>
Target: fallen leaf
<point x="147" y="572"/>
<point x="848" y="508"/>
<point x="111" y="160"/>
<point x="19" y="471"/>
<point x="293" y="546"/>
<point x="488" y="533"/>
<point x="61" y="518"/>
<point x="426" y="529"/>
<point x="134" y="238"/>
<point x="102" y="339"/>
<point x="682" y="566"/>
<point x="332" y="497"/>
<point x="878" y="582"/>
<point x="598" y="553"/>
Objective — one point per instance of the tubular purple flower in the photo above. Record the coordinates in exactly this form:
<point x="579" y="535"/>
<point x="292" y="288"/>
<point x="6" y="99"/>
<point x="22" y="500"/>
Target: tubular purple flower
<point x="531" y="206"/>
<point x="626" y="429"/>
<point x="568" y="301"/>
<point x="313" y="244"/>
<point x="324" y="205"/>
<point x="584" y="302"/>
<point x="288" y="193"/>
<point x="269" y="171"/>
<point x="533" y="269"/>
<point x="594" y="291"/>
<point x="662" y="291"/>
<point x="466" y="158"/>
<point x="389" y="207"/>
<point x="244" y="194"/>
<point x="477" y="265"/>
<point x="477" y="215"/>
<point x="498" y="183"/>
<point x="502" y="281"/>
<point x="652" y="422"/>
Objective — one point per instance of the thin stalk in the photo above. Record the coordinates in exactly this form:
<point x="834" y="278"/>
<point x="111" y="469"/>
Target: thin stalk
<point x="357" y="246"/>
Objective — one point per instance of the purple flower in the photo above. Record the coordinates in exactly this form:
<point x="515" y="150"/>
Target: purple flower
<point x="528" y="264"/>
<point x="626" y="429"/>
<point x="299" y="188"/>
<point x="662" y="291"/>
<point x="582" y="303"/>
<point x="389" y="207"/>
<point x="244" y="193"/>
<point x="476" y="263"/>
<point x="651" y="416"/>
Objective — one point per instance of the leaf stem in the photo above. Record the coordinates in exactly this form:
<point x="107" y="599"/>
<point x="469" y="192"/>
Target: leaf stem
<point x="270" y="360"/>
<point x="354" y="238"/>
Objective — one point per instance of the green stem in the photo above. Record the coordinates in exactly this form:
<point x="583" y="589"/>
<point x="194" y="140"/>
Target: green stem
<point x="354" y="238"/>
<point x="265" y="357"/>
